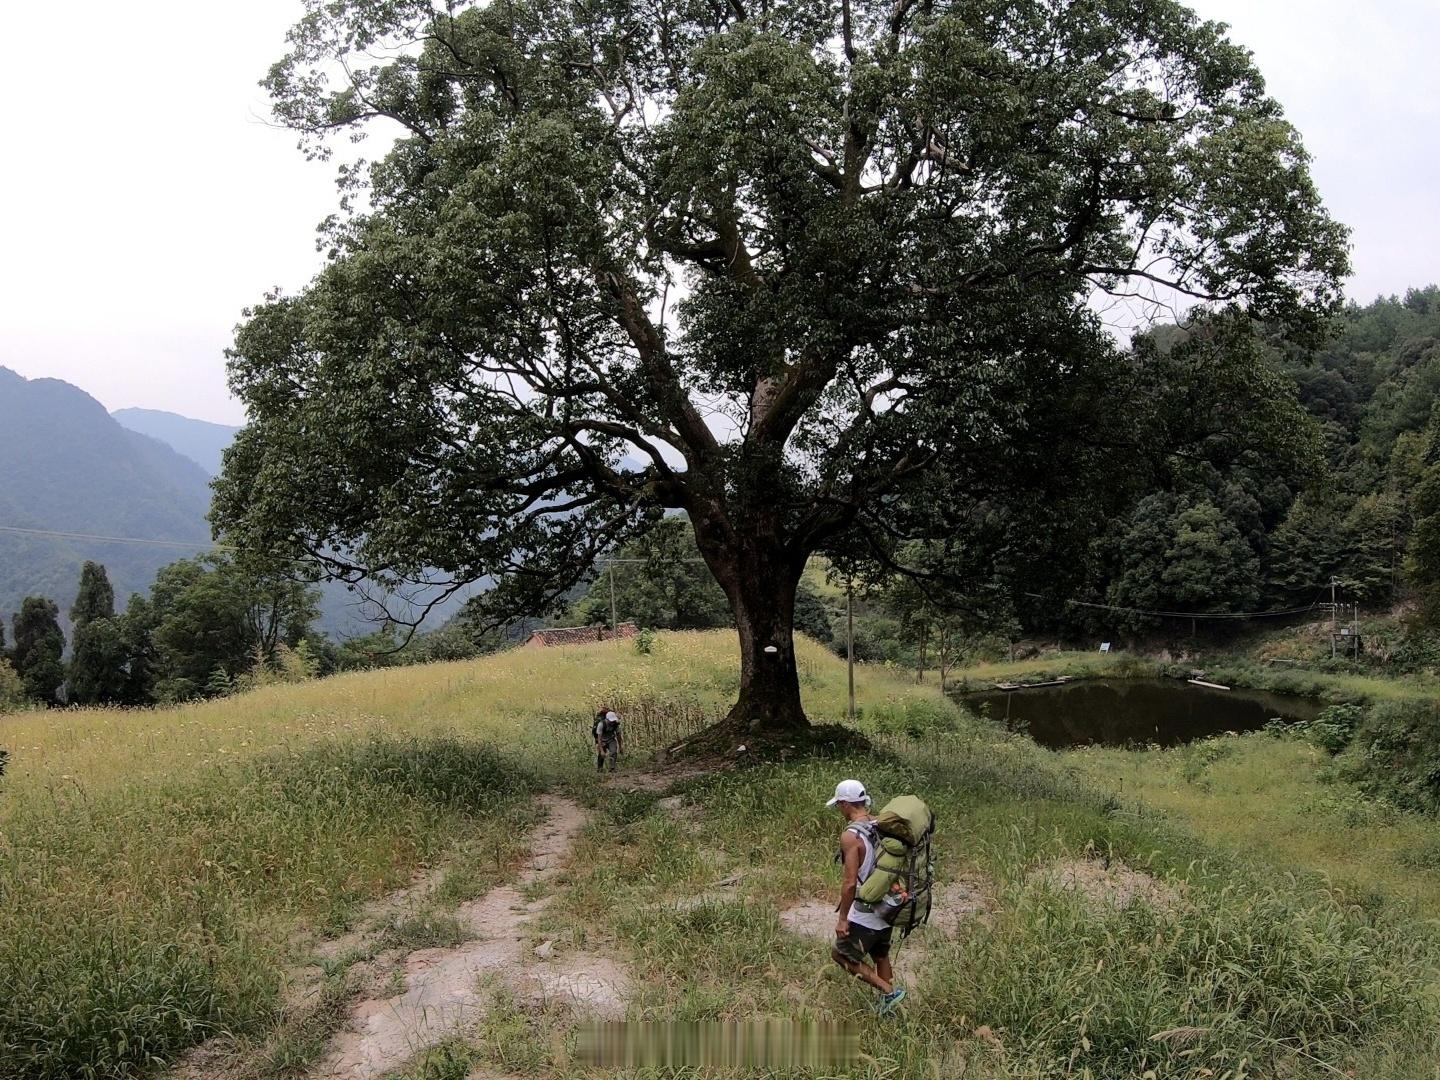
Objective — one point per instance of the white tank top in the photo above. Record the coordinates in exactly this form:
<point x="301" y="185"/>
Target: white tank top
<point x="869" y="919"/>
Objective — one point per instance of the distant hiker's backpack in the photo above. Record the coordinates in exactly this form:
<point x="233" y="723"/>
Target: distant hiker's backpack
<point x="898" y="888"/>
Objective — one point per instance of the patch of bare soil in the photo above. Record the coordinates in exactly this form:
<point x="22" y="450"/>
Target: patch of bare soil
<point x="447" y="990"/>
<point x="956" y="903"/>
<point x="810" y="918"/>
<point x="1107" y="883"/>
<point x="658" y="778"/>
<point x="679" y="809"/>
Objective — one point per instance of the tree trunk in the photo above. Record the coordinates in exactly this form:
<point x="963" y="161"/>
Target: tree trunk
<point x="924" y="640"/>
<point x="944" y="654"/>
<point x="759" y="577"/>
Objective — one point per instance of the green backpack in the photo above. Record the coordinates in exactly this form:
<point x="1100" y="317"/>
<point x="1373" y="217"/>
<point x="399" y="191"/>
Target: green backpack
<point x="899" y="886"/>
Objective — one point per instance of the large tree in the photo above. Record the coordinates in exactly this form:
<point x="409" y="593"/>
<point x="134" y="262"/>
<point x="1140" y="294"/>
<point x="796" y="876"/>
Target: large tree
<point x="822" y="275"/>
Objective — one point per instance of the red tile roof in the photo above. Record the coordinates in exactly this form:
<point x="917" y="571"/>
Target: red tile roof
<point x="575" y="635"/>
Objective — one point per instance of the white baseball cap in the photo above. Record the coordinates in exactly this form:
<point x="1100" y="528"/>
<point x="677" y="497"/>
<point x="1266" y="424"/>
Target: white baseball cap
<point x="851" y="791"/>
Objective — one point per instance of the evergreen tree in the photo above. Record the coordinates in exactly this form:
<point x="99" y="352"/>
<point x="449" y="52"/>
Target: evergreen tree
<point x="1423" y="563"/>
<point x="100" y="662"/>
<point x="1372" y="535"/>
<point x="138" y="623"/>
<point x="100" y="659"/>
<point x="39" y="646"/>
<point x="1307" y="549"/>
<point x="96" y="598"/>
<point x="1140" y="548"/>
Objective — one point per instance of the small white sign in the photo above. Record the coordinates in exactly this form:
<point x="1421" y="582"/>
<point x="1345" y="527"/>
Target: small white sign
<point x="771" y="648"/>
<point x="1104" y="646"/>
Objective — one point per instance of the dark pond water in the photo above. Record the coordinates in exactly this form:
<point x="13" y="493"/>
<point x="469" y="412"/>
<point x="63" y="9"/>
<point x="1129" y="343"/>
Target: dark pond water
<point x="1125" y="712"/>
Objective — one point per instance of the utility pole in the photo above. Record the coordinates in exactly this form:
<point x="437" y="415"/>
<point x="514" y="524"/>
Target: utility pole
<point x="850" y="644"/>
<point x="1334" y="618"/>
<point x="614" y="625"/>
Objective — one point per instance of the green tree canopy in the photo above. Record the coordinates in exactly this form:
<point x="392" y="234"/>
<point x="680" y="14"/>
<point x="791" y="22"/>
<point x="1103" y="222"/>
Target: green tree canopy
<point x="821" y="275"/>
<point x="660" y="581"/>
<point x="39" y="645"/>
<point x="1178" y="556"/>
<point x="99" y="661"/>
<point x="220" y="612"/>
<point x="96" y="598"/>
<point x="99" y="668"/>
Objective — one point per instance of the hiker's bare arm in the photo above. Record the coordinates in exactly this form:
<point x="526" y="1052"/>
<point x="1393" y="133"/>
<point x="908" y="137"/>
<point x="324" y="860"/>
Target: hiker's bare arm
<point x="852" y="849"/>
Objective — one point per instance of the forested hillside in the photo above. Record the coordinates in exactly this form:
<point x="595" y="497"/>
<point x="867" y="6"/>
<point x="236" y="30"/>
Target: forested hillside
<point x="199" y="440"/>
<point x="67" y="465"/>
<point x="1272" y="533"/>
<point x="1338" y="485"/>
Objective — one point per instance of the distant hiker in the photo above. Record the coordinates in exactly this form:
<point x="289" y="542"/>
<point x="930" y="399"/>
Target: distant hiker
<point x="886" y="883"/>
<point x="609" y="742"/>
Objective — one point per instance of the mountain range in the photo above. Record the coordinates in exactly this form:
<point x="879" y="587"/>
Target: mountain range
<point x="199" y="440"/>
<point x="69" y="467"/>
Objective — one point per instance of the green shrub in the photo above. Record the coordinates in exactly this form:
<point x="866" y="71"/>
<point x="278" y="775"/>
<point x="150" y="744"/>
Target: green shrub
<point x="1417" y="652"/>
<point x="1335" y="726"/>
<point x="916" y="717"/>
<point x="1353" y="808"/>
<point x="1129" y="666"/>
<point x="12" y="688"/>
<point x="1396" y="754"/>
<point x="1198" y="756"/>
<point x="1424" y="856"/>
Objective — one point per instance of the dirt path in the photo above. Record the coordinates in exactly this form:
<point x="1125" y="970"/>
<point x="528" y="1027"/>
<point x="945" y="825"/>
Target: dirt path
<point x="448" y="990"/>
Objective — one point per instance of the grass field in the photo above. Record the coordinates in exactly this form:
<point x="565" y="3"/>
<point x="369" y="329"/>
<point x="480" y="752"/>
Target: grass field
<point x="159" y="867"/>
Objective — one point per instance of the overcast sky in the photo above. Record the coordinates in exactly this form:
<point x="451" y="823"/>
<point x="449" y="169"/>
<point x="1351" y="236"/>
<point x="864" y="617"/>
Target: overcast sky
<point x="146" y="201"/>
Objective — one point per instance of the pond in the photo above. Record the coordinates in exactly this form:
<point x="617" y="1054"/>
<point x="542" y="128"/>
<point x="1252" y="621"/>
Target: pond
<point x="1128" y="712"/>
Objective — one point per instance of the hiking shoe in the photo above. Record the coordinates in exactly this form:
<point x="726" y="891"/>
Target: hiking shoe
<point x="886" y="1005"/>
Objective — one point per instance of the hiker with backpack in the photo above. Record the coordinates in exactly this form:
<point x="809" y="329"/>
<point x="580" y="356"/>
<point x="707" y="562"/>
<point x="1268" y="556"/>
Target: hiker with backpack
<point x="609" y="742"/>
<point x="887" y="871"/>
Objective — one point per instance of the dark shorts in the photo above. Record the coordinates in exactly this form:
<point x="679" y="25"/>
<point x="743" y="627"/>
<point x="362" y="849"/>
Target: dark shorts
<point x="863" y="941"/>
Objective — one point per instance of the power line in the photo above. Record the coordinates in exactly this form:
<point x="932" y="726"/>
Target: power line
<point x="56" y="534"/>
<point x="1179" y="614"/>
